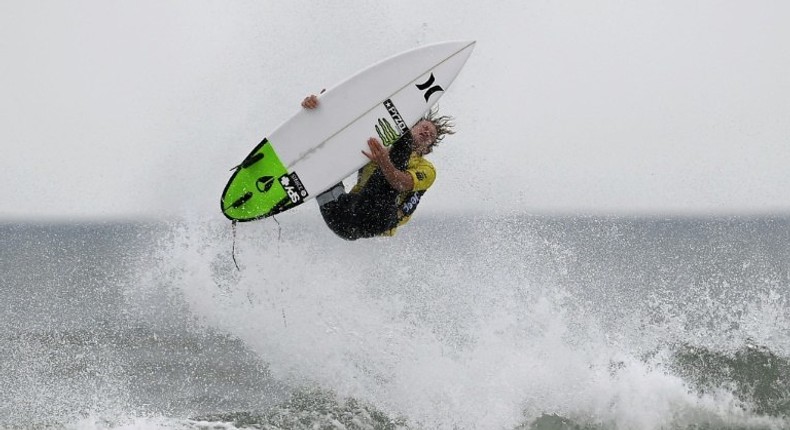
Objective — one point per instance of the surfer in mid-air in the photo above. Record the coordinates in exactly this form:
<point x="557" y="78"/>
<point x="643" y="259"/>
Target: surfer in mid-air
<point x="390" y="186"/>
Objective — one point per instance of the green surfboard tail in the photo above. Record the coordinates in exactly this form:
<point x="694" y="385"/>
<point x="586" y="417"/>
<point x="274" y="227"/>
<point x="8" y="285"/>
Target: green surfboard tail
<point x="261" y="186"/>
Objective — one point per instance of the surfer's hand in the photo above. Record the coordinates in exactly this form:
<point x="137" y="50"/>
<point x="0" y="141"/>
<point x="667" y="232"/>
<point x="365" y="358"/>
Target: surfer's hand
<point x="377" y="153"/>
<point x="400" y="181"/>
<point x="310" y="102"/>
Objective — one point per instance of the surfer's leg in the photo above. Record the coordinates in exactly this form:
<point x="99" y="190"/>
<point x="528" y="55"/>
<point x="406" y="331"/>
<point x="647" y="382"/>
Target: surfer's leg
<point x="337" y="209"/>
<point x="376" y="217"/>
<point x="339" y="216"/>
<point x="355" y="216"/>
<point x="331" y="194"/>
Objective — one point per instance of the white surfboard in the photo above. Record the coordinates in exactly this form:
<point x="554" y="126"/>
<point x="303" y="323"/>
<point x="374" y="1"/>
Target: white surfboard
<point x="315" y="149"/>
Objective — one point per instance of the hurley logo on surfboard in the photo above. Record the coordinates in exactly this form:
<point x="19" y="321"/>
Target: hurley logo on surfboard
<point x="429" y="87"/>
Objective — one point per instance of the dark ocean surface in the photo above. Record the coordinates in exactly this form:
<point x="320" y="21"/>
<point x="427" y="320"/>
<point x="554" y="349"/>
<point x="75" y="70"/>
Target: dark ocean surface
<point x="459" y="323"/>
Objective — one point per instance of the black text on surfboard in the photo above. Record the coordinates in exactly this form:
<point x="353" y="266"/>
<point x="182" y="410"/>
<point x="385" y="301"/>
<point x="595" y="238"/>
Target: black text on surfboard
<point x="429" y="88"/>
<point x="395" y="115"/>
<point x="293" y="187"/>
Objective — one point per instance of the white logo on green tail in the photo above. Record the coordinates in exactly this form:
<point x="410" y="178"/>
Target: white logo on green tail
<point x="293" y="187"/>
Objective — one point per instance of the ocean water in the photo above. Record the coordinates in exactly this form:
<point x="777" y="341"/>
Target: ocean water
<point x="521" y="322"/>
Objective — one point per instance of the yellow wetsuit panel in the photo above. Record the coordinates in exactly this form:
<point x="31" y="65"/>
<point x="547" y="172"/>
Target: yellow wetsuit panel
<point x="422" y="173"/>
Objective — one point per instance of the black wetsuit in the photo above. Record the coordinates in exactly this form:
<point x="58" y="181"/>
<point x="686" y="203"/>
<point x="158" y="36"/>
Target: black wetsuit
<point x="373" y="210"/>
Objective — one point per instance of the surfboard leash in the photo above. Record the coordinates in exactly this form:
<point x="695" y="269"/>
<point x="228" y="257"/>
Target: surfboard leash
<point x="279" y="230"/>
<point x="233" y="248"/>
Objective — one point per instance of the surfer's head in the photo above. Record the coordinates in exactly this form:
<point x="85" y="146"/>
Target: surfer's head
<point x="423" y="136"/>
<point x="430" y="130"/>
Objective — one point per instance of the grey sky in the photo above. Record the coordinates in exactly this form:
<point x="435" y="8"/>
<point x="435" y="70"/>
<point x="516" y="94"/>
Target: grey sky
<point x="126" y="109"/>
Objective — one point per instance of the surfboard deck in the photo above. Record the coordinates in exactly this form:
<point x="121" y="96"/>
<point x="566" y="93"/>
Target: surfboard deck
<point x="317" y="148"/>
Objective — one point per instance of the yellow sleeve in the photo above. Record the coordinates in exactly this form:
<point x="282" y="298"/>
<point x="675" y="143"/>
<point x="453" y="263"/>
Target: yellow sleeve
<point x="422" y="173"/>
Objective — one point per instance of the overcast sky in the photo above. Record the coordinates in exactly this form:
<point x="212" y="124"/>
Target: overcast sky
<point x="140" y="108"/>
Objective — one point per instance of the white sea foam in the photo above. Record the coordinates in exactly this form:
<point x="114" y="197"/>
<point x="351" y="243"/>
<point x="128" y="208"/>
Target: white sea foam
<point x="448" y="332"/>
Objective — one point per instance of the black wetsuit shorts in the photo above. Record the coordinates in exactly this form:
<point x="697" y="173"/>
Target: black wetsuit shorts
<point x="373" y="210"/>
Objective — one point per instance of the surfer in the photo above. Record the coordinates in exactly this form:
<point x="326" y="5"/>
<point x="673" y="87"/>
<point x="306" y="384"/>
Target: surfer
<point x="390" y="186"/>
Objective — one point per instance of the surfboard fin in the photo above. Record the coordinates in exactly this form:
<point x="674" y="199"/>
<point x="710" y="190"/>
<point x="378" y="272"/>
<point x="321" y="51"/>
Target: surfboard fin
<point x="252" y="160"/>
<point x="249" y="161"/>
<point x="241" y="200"/>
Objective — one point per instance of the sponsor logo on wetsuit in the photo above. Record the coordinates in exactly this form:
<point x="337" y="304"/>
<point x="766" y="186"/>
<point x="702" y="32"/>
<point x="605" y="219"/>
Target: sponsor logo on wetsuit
<point x="393" y="111"/>
<point x="293" y="187"/>
<point x="410" y="205"/>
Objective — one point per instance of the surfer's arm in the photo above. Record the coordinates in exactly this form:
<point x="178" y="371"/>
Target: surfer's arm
<point x="399" y="179"/>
